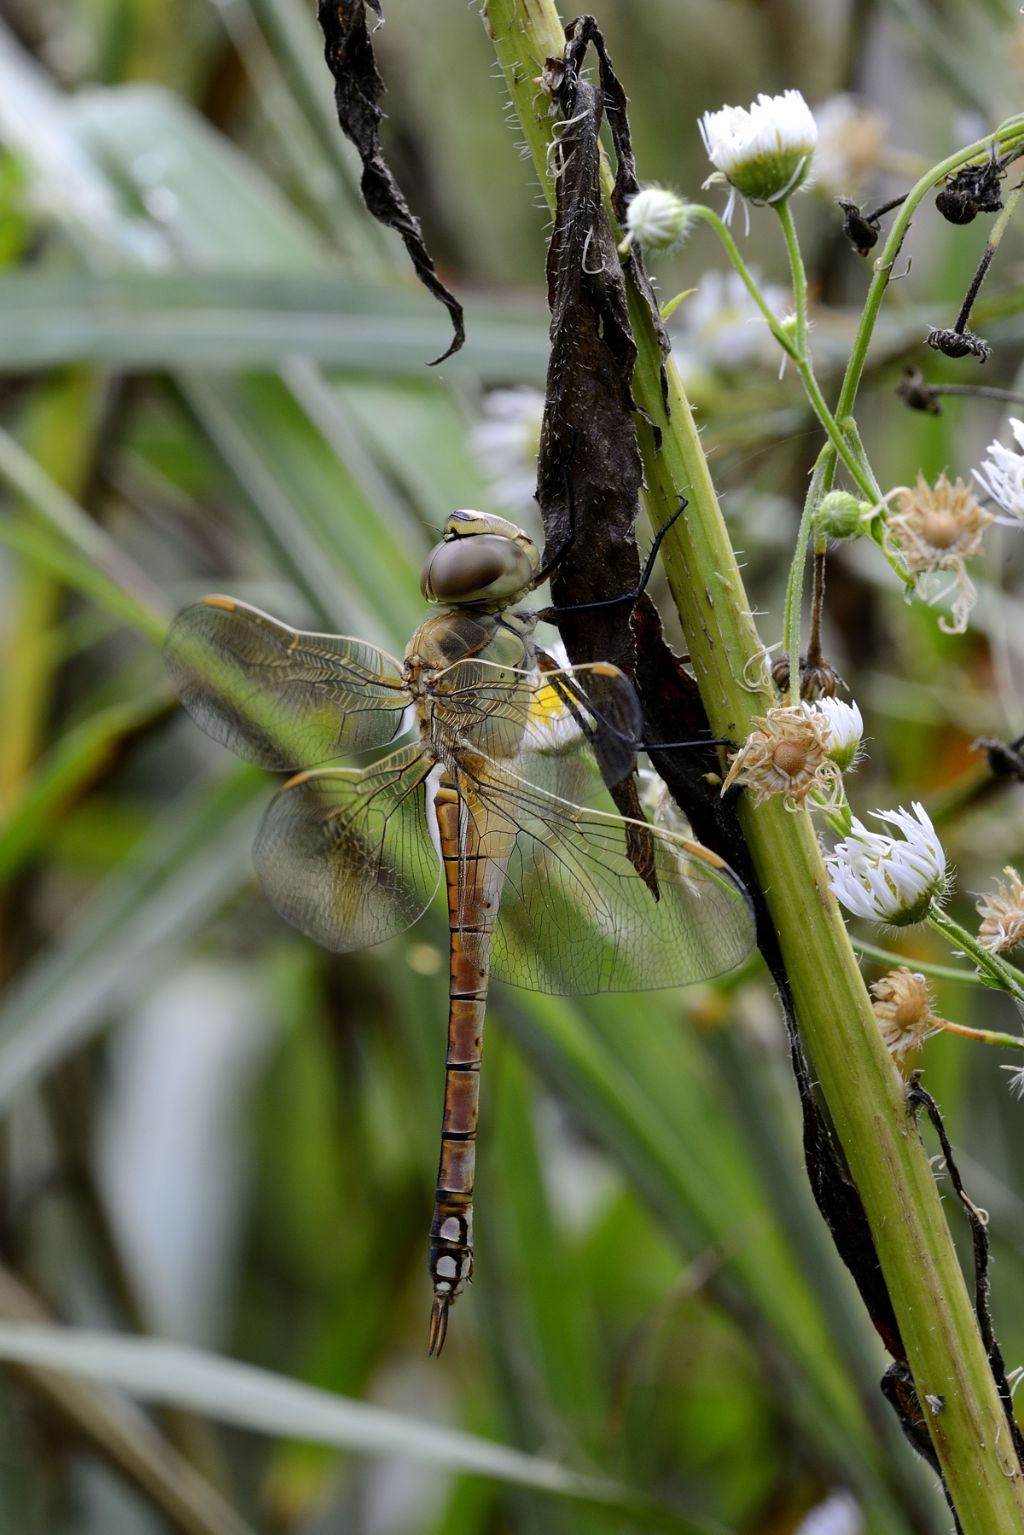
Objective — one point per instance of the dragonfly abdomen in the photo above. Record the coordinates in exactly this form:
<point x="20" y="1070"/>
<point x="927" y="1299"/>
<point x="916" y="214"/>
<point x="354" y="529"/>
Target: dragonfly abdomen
<point x="473" y="881"/>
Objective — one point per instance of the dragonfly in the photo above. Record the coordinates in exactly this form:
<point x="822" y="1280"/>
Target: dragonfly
<point x="541" y="890"/>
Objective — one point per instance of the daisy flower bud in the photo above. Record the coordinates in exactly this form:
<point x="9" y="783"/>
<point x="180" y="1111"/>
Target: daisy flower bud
<point x="1002" y="473"/>
<point x="764" y="150"/>
<point x="903" y="1007"/>
<point x="845" y="729"/>
<point x="841" y="515"/>
<point x="894" y="879"/>
<point x="656" y="218"/>
<point x="1002" y="914"/>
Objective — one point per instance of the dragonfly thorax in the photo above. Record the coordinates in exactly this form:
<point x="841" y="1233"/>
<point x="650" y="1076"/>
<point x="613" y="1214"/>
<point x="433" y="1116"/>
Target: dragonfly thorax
<point x="468" y="671"/>
<point x="482" y="561"/>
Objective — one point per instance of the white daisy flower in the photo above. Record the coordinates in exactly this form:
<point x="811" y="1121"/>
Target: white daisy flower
<point x="839" y="1515"/>
<point x="505" y="443"/>
<point x="845" y="729"/>
<point x="1002" y="473"/>
<point x="656" y="218"/>
<point x="722" y="323"/>
<point x="886" y="878"/>
<point x="764" y="150"/>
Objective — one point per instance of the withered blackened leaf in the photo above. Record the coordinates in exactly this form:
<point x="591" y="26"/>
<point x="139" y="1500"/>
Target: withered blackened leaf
<point x="357" y="90"/>
<point x="589" y="470"/>
<point x="918" y="1097"/>
<point x="579" y="35"/>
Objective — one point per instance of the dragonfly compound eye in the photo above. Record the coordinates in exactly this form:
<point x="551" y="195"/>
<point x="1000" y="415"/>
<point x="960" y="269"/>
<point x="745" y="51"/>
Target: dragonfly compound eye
<point x="486" y="567"/>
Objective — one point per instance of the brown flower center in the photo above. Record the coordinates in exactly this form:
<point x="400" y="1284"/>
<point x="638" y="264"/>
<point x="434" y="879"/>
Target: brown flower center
<point x="906" y="1015"/>
<point x="940" y="528"/>
<point x="790" y="757"/>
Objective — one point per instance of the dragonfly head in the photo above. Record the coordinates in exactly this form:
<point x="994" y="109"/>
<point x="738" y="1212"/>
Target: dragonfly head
<point x="482" y="561"/>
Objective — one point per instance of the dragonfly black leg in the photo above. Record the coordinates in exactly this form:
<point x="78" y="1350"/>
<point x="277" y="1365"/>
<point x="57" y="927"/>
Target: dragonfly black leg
<point x="549" y="614"/>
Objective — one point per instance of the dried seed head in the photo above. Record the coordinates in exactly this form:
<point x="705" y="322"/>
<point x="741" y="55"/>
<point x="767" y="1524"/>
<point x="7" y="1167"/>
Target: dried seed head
<point x="1002" y="914"/>
<point x="787" y="754"/>
<point x="958" y="343"/>
<point x="939" y="528"/>
<point x="903" y="1007"/>
<point x="915" y="392"/>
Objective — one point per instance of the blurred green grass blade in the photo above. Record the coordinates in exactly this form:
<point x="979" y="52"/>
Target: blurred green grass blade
<point x="648" y="1101"/>
<point x="115" y="1430"/>
<point x="310" y="510"/>
<point x="38" y="123"/>
<point x="70" y="765"/>
<point x="282" y="49"/>
<point x="258" y="1400"/>
<point x="192" y="860"/>
<point x="88" y="557"/>
<point x="207" y="197"/>
<point x="43" y="548"/>
<point x="553" y="1364"/>
<point x="165" y="320"/>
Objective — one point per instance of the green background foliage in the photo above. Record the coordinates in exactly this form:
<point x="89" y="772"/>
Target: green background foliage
<point x="213" y="377"/>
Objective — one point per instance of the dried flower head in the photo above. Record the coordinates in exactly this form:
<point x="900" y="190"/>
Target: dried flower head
<point x="861" y="231"/>
<point x="787" y="754"/>
<point x="886" y="878"/>
<point x="958" y="343"/>
<point x="764" y="150"/>
<point x="939" y="528"/>
<point x="1002" y="914"/>
<point x="1002" y="473"/>
<point x="656" y="218"/>
<point x="903" y="1006"/>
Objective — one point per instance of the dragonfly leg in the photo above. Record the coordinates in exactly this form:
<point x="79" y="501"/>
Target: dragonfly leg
<point x="549" y="614"/>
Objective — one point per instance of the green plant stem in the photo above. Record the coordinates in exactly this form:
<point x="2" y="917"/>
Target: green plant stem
<point x="983" y="1036"/>
<point x="797" y="274"/>
<point x="792" y="611"/>
<point x="863" y="1090"/>
<point x="699" y="210"/>
<point x="1003" y="975"/>
<point x="889" y="957"/>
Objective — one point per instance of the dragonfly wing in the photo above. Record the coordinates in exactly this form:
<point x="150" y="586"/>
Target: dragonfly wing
<point x="555" y="723"/>
<point x="576" y="918"/>
<point x="274" y="695"/>
<point x="346" y="856"/>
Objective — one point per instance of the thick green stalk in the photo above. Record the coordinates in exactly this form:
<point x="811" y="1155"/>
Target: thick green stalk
<point x="862" y="1087"/>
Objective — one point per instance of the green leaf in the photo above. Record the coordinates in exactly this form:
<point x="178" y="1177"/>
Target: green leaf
<point x="258" y="1400"/>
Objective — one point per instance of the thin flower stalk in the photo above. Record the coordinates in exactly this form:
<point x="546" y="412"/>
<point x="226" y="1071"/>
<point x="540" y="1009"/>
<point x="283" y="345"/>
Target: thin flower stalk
<point x="1004" y="976"/>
